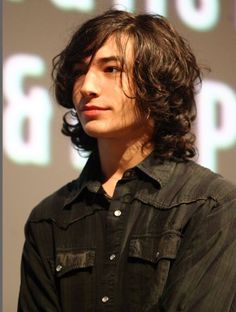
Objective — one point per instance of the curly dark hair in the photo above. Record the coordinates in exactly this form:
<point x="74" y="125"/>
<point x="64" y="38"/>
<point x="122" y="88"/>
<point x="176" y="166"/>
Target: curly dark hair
<point x="165" y="75"/>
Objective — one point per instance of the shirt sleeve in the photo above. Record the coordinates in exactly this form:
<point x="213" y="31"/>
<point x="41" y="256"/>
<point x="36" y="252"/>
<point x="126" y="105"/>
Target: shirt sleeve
<point x="38" y="290"/>
<point x="203" y="277"/>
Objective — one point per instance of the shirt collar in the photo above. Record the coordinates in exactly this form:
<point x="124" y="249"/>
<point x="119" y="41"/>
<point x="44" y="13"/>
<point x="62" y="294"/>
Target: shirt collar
<point x="158" y="170"/>
<point x="89" y="178"/>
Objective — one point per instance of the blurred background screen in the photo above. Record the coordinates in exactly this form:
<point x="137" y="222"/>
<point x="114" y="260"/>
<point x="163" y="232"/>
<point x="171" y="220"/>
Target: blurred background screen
<point x="38" y="159"/>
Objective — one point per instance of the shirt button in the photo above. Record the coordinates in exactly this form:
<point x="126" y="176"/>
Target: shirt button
<point x="58" y="268"/>
<point x="112" y="257"/>
<point x="105" y="299"/>
<point x="117" y="213"/>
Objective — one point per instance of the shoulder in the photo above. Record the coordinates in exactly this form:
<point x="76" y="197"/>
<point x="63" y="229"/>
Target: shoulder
<point x="184" y="182"/>
<point x="53" y="204"/>
<point x="202" y="183"/>
<point x="190" y="182"/>
<point x="53" y="207"/>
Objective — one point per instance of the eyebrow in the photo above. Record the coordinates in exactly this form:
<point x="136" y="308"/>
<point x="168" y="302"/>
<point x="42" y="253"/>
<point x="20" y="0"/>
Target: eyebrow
<point x="104" y="60"/>
<point x="100" y="61"/>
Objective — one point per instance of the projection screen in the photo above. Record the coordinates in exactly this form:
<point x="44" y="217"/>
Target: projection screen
<point x="37" y="158"/>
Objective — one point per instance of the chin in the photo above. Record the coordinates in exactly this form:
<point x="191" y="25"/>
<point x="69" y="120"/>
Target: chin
<point x="95" y="133"/>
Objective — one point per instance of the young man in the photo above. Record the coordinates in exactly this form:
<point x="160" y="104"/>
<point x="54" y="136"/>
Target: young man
<point x="143" y="228"/>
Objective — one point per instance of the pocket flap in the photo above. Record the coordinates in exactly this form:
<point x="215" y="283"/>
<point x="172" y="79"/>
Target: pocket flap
<point x="67" y="261"/>
<point x="153" y="248"/>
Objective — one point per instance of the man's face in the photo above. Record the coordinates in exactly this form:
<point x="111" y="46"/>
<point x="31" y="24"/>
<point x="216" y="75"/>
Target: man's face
<point x="100" y="95"/>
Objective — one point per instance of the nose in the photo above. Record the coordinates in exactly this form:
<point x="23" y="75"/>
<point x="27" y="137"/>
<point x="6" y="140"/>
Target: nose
<point x="89" y="84"/>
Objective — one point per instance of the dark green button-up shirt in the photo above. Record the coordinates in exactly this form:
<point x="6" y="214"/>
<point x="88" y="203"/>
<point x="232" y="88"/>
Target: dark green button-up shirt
<point x="165" y="241"/>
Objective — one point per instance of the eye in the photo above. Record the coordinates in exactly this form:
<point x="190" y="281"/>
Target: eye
<point x="77" y="73"/>
<point x="112" y="69"/>
<point x="80" y="71"/>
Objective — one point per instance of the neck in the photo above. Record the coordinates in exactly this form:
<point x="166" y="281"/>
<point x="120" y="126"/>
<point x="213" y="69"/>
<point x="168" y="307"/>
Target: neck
<point x="117" y="157"/>
<point x="120" y="153"/>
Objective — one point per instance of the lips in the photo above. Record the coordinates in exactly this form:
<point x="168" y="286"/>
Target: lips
<point x="93" y="107"/>
<point x="93" y="111"/>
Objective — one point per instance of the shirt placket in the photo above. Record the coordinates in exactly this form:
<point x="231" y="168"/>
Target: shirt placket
<point x="115" y="228"/>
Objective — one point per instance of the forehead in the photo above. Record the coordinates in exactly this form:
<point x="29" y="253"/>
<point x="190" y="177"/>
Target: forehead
<point x="120" y="48"/>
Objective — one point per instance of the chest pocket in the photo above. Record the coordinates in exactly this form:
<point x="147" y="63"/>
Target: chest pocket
<point x="149" y="261"/>
<point x="153" y="248"/>
<point x="69" y="261"/>
<point x="74" y="270"/>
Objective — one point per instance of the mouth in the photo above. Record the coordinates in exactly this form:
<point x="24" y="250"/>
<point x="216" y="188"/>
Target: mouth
<point x="92" y="110"/>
